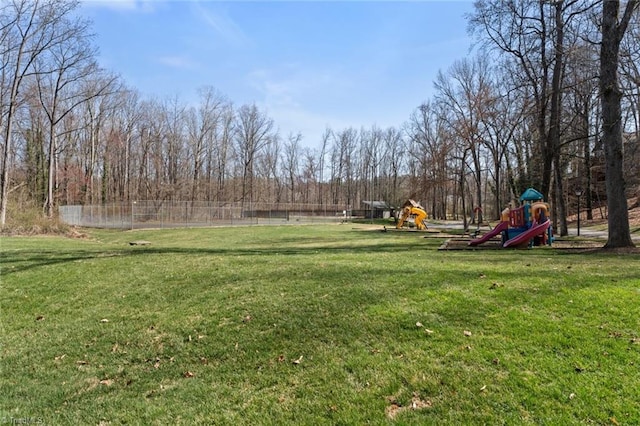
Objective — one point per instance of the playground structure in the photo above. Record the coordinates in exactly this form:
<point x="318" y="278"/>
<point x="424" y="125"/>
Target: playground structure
<point x="412" y="209"/>
<point x="528" y="224"/>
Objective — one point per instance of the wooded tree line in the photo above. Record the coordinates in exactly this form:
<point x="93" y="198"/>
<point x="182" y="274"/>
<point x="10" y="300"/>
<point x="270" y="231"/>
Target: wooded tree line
<point x="532" y="108"/>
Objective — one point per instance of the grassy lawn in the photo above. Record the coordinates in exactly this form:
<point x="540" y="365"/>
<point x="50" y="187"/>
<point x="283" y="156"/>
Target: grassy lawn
<point x="314" y="325"/>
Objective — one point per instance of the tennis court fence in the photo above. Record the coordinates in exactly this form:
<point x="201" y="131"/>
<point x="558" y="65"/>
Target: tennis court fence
<point x="173" y="214"/>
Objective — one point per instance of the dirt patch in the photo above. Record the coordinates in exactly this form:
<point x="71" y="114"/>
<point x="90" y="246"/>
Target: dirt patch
<point x="416" y="403"/>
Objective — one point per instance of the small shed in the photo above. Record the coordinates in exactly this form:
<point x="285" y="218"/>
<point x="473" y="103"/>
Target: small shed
<point x="377" y="210"/>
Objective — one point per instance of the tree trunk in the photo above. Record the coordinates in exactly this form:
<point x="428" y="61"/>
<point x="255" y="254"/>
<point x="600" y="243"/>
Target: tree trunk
<point x="612" y="32"/>
<point x="553" y="141"/>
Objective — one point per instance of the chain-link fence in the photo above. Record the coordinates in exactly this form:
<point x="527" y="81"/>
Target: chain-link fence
<point x="172" y="214"/>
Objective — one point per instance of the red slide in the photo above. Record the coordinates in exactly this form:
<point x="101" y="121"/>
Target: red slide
<point x="486" y="237"/>
<point x="527" y="235"/>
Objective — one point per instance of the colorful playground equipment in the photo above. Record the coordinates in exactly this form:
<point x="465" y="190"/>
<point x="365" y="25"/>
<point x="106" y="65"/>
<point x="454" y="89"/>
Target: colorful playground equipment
<point x="528" y="224"/>
<point x="409" y="209"/>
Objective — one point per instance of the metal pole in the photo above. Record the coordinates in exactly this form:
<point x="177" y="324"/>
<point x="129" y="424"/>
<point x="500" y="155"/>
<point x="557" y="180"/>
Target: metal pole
<point x="578" y="215"/>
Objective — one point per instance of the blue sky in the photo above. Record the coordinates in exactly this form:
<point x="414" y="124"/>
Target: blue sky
<point x="308" y="64"/>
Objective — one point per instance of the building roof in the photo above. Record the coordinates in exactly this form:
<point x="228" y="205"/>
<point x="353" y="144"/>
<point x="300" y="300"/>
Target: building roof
<point x="377" y="204"/>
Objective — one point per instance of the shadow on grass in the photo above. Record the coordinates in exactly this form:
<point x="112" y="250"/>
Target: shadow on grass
<point x="26" y="260"/>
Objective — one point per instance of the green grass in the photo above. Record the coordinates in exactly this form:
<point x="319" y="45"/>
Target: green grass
<point x="314" y="325"/>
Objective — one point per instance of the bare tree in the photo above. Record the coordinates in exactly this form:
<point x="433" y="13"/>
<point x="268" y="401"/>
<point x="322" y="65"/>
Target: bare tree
<point x="269" y="171"/>
<point x="532" y="34"/>
<point x="630" y="85"/>
<point x="291" y="163"/>
<point x="219" y="152"/>
<point x="613" y="30"/>
<point x="520" y="31"/>
<point x="254" y="132"/>
<point x="101" y="91"/>
<point x="326" y="137"/>
<point x="127" y="119"/>
<point x="504" y="118"/>
<point x="370" y="159"/>
<point x="466" y="91"/>
<point x="392" y="166"/>
<point x="60" y="75"/>
<point x="308" y="176"/>
<point x="344" y="163"/>
<point x="201" y="127"/>
<point x="429" y="147"/>
<point x="29" y="29"/>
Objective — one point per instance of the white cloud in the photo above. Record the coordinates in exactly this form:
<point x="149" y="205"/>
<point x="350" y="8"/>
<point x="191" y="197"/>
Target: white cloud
<point x="222" y="24"/>
<point x="292" y="84"/>
<point x="301" y="100"/>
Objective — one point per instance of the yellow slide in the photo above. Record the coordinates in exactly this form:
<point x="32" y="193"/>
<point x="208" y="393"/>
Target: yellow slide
<point x="418" y="212"/>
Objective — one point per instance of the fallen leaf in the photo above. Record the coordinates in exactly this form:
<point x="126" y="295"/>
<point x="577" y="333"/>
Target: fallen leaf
<point x="106" y="382"/>
<point x="418" y="324"/>
<point x="482" y="276"/>
<point x="298" y="361"/>
<point x="61" y="357"/>
<point x="467" y="333"/>
<point x="40" y="318"/>
<point x="426" y="330"/>
<point x="281" y="358"/>
<point x="614" y="421"/>
<point x="572" y="395"/>
<point x="82" y="362"/>
<point x="496" y="361"/>
<point x="188" y="374"/>
<point x="104" y="320"/>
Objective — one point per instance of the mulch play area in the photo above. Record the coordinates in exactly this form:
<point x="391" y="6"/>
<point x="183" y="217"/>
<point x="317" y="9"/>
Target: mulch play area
<point x="462" y="243"/>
